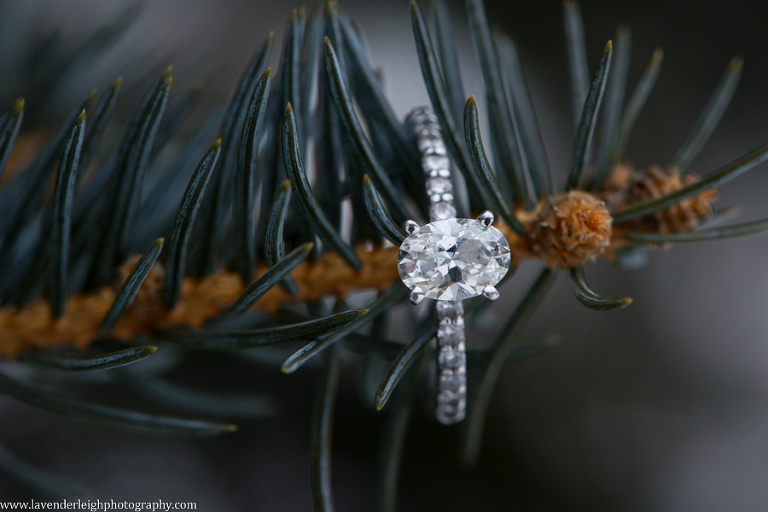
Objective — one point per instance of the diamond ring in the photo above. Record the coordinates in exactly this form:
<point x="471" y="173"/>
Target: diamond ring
<point x="448" y="260"/>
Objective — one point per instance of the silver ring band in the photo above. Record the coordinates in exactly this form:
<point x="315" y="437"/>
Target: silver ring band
<point x="451" y="386"/>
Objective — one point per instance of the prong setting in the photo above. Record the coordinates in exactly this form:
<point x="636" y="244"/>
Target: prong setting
<point x="417" y="295"/>
<point x="490" y="292"/>
<point x="485" y="218"/>
<point x="410" y="227"/>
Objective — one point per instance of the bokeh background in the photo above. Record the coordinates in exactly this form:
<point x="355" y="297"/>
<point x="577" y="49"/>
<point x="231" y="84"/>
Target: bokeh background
<point x="662" y="406"/>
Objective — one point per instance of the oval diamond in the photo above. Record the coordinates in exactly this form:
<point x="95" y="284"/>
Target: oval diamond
<point x="453" y="259"/>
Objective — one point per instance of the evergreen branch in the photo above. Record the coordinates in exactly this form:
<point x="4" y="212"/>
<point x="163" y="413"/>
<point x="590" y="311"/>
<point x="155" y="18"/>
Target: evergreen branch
<point x="577" y="58"/>
<point x="747" y="228"/>
<point x="485" y="380"/>
<point x="98" y="120"/>
<point x="393" y="441"/>
<point x="213" y="404"/>
<point x="216" y="210"/>
<point x="132" y="163"/>
<point x="379" y="215"/>
<point x="482" y="169"/>
<point x="239" y="340"/>
<point x="433" y="79"/>
<point x="635" y="104"/>
<point x="274" y="247"/>
<point x="709" y="118"/>
<point x="500" y="110"/>
<point x="322" y="432"/>
<point x="590" y="299"/>
<point x="63" y="196"/>
<point x="388" y="299"/>
<point x="403" y="362"/>
<point x="614" y="103"/>
<point x="131" y="286"/>
<point x="353" y="129"/>
<point x="9" y="129"/>
<point x="269" y="279"/>
<point x="583" y="141"/>
<point x="298" y="176"/>
<point x="182" y="225"/>
<point x="116" y="418"/>
<point x="530" y="132"/>
<point x="245" y="179"/>
<point x="78" y="363"/>
<point x="41" y="480"/>
<point x="717" y="178"/>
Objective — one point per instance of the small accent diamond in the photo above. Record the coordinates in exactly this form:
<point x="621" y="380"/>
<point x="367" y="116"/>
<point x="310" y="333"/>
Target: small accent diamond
<point x="452" y="358"/>
<point x="442" y="211"/>
<point x="439" y="186"/>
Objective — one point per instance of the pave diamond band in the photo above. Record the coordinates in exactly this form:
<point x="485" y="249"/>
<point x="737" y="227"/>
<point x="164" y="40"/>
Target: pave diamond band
<point x="448" y="260"/>
<point x="451" y="386"/>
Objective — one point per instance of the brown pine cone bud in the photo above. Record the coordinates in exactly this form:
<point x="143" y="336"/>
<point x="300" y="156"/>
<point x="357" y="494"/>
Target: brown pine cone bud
<point x="570" y="229"/>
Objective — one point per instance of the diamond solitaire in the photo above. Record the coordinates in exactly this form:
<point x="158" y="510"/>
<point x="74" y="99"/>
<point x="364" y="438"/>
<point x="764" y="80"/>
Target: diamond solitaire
<point x="453" y="259"/>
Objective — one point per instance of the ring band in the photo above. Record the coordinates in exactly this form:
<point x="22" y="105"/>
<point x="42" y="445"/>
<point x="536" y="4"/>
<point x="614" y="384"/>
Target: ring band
<point x="451" y="385"/>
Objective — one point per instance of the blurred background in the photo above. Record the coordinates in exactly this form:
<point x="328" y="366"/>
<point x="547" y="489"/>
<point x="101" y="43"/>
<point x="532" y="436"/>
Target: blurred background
<point x="661" y="406"/>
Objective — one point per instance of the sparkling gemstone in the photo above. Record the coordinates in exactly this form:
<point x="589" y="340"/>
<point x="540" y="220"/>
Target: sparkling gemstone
<point x="432" y="143"/>
<point x="435" y="162"/>
<point x="450" y="333"/>
<point x="453" y="259"/>
<point x="450" y="310"/>
<point x="450" y="357"/>
<point x="439" y="186"/>
<point x="450" y="403"/>
<point x="453" y="379"/>
<point x="442" y="211"/>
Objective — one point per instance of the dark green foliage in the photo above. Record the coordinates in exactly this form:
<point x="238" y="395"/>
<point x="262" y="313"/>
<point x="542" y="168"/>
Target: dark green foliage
<point x="395" y="294"/>
<point x="482" y="167"/>
<point x="441" y="104"/>
<point x="354" y="132"/>
<point x="295" y="167"/>
<point x="131" y="165"/>
<point x="484" y="381"/>
<point x="97" y="123"/>
<point x="748" y="228"/>
<point x="322" y="432"/>
<point x="516" y="89"/>
<point x="63" y="194"/>
<point x="214" y="404"/>
<point x="589" y="298"/>
<point x="709" y="118"/>
<point x="108" y="416"/>
<point x="634" y="107"/>
<point x="379" y="215"/>
<point x="10" y="122"/>
<point x="403" y="362"/>
<point x="274" y="245"/>
<point x="393" y="439"/>
<point x="449" y="62"/>
<point x="216" y="209"/>
<point x="500" y="110"/>
<point x="42" y="480"/>
<point x="717" y="178"/>
<point x="131" y="286"/>
<point x="81" y="363"/>
<point x="327" y="97"/>
<point x="237" y="340"/>
<point x="270" y="278"/>
<point x="585" y="130"/>
<point x="245" y="178"/>
<point x="182" y="226"/>
<point x="616" y="87"/>
<point x="577" y="57"/>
